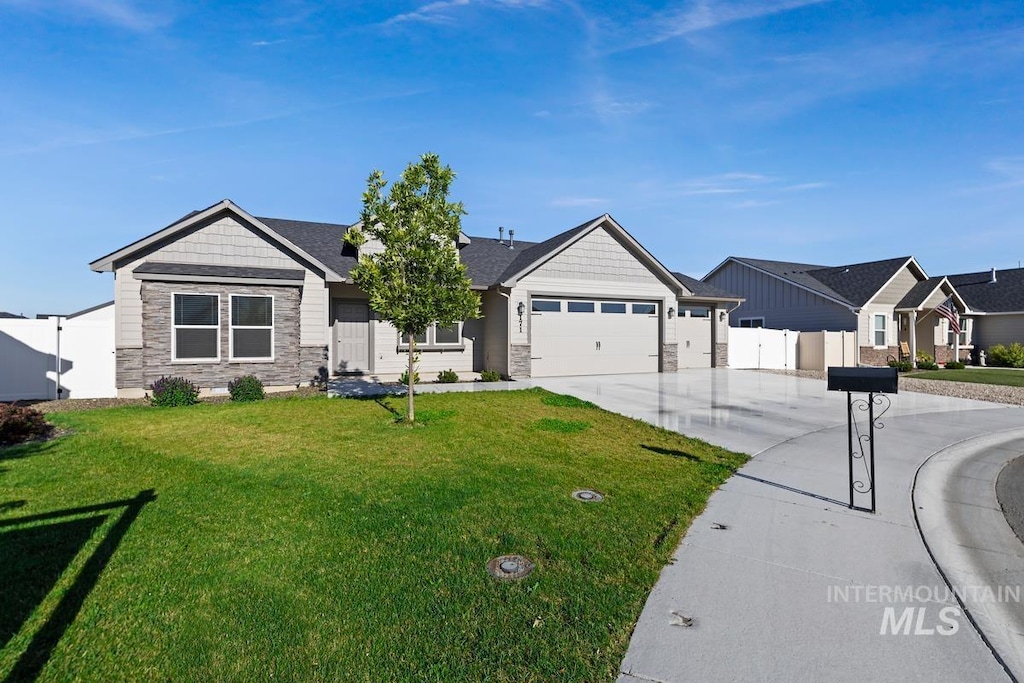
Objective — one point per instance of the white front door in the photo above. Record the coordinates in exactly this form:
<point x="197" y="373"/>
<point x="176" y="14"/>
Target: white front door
<point x="580" y="336"/>
<point x="351" y="338"/>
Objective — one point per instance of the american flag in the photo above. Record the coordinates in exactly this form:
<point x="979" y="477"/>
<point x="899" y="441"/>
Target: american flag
<point x="948" y="311"/>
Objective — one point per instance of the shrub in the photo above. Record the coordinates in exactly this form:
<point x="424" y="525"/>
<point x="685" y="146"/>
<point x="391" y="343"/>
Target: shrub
<point x="1006" y="357"/>
<point x="21" y="423"/>
<point x="490" y="376"/>
<point x="404" y="379"/>
<point x="169" y="392"/>
<point x="246" y="388"/>
<point x="927" y="365"/>
<point x="901" y="365"/>
<point x="447" y="376"/>
<point x="954" y="365"/>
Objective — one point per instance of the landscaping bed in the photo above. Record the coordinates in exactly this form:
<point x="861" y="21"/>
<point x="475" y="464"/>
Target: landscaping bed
<point x="317" y="539"/>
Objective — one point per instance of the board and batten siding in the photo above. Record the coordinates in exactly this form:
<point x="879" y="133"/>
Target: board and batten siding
<point x="223" y="242"/>
<point x="782" y="305"/>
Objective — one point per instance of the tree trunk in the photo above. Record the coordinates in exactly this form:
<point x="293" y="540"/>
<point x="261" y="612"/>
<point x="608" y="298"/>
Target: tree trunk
<point x="411" y="413"/>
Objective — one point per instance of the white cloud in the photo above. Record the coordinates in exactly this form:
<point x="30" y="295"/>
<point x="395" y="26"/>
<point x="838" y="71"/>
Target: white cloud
<point x="703" y="15"/>
<point x="443" y="11"/>
<point x="1009" y="170"/>
<point x="121" y="13"/>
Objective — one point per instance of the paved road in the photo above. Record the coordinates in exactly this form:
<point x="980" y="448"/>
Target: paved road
<point x="799" y="587"/>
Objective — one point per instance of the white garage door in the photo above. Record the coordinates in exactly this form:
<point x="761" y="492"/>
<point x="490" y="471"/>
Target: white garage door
<point x="693" y="332"/>
<point x="593" y="337"/>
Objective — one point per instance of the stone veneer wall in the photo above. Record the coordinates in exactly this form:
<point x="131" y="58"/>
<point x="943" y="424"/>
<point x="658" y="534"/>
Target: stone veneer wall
<point x="669" y="357"/>
<point x="520" y="366"/>
<point x="878" y="357"/>
<point x="944" y="354"/>
<point x="721" y="355"/>
<point x="128" y="374"/>
<point x="292" y="364"/>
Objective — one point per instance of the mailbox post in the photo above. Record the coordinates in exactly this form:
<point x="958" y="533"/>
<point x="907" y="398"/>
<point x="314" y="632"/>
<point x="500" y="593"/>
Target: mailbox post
<point x="871" y="381"/>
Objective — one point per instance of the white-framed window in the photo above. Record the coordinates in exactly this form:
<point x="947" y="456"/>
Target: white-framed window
<point x="195" y="327"/>
<point x="878" y="329"/>
<point x="965" y="332"/>
<point x="751" y="322"/>
<point x="435" y="338"/>
<point x="644" y="309"/>
<point x="252" y="327"/>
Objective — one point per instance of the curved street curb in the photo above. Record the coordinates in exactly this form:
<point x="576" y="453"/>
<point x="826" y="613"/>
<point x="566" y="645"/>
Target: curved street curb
<point x="969" y="540"/>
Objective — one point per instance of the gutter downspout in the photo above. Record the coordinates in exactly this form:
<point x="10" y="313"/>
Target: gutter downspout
<point x="508" y="330"/>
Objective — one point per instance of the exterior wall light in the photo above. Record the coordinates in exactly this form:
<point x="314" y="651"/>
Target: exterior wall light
<point x="671" y="313"/>
<point x="521" y="309"/>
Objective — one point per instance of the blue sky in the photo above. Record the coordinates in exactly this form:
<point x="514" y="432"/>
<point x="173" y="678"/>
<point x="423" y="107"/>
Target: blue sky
<point x="824" y="132"/>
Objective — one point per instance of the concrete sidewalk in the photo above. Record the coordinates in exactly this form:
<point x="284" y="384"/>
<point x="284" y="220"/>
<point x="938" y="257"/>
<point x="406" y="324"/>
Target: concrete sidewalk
<point x="797" y="586"/>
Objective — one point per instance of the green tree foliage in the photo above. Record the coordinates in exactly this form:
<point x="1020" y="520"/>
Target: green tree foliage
<point x="418" y="279"/>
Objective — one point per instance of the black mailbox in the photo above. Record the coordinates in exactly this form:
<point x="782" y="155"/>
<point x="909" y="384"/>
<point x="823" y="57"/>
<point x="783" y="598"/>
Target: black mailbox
<point x="866" y="380"/>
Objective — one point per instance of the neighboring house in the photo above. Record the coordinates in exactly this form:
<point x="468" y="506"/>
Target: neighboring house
<point x="884" y="302"/>
<point x="221" y="293"/>
<point x="13" y="316"/>
<point x="996" y="301"/>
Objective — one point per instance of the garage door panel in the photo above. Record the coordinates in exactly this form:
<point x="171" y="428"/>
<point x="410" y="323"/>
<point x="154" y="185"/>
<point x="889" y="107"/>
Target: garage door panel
<point x="579" y="343"/>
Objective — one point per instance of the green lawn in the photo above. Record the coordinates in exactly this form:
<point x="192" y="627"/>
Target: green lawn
<point x="315" y="539"/>
<point x="1002" y="376"/>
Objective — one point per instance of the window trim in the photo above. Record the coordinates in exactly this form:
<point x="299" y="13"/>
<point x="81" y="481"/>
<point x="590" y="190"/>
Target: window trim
<point x="875" y="330"/>
<point x="624" y="304"/>
<point x="592" y="303"/>
<point x="750" y="320"/>
<point x="232" y="327"/>
<point x="432" y="344"/>
<point x="175" y="327"/>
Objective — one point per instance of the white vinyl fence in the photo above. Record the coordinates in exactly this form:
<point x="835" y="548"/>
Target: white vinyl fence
<point x="762" y="348"/>
<point x="58" y="357"/>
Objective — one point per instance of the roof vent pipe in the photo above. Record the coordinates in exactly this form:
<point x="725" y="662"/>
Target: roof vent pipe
<point x="511" y="238"/>
<point x="501" y="234"/>
<point x="992" y="279"/>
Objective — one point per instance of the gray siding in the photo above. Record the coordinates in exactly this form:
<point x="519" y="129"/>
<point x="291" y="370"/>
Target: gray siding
<point x="990" y="330"/>
<point x="496" y="321"/>
<point x="597" y="256"/>
<point x="782" y="305"/>
<point x="223" y="242"/>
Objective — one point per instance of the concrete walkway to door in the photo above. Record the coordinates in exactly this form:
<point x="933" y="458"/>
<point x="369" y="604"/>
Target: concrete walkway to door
<point x="781" y="580"/>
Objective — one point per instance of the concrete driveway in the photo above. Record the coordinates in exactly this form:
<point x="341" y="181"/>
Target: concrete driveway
<point x="796" y="586"/>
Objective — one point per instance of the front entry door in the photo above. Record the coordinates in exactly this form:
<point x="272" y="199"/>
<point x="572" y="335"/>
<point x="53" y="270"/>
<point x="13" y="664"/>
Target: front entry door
<point x="351" y="338"/>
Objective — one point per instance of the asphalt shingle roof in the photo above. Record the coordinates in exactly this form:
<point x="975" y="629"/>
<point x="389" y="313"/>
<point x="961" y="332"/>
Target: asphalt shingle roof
<point x="487" y="259"/>
<point x="197" y="269"/>
<point x="1005" y="295"/>
<point x="852" y="284"/>
<point x="322" y="241"/>
<point x="704" y="289"/>
<point x="539" y="250"/>
<point x="5" y="314"/>
<point x="919" y="292"/>
<point x="858" y="282"/>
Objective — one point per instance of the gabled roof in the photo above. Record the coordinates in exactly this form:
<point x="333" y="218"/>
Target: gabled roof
<point x="169" y="233"/>
<point x="922" y="291"/>
<point x="1005" y="295"/>
<point x="851" y="285"/>
<point x="538" y="254"/>
<point x="703" y="290"/>
<point x="5" y="314"/>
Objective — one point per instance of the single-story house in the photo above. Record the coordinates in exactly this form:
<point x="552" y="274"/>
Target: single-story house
<point x="221" y="293"/>
<point x="996" y="301"/>
<point x="884" y="302"/>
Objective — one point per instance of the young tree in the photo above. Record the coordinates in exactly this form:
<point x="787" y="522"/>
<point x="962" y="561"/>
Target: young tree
<point x="417" y="279"/>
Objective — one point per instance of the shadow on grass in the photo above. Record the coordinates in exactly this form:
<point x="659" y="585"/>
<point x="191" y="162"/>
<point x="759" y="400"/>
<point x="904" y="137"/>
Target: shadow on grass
<point x="671" y="452"/>
<point x="28" y="449"/>
<point x="37" y="555"/>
